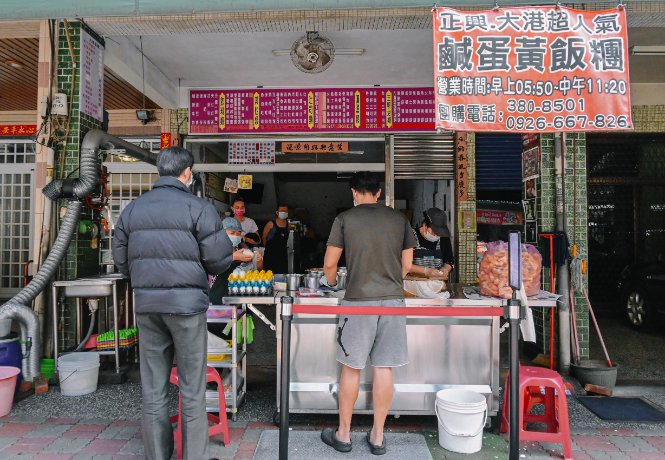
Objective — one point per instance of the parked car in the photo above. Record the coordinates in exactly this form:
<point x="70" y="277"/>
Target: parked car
<point x="642" y="294"/>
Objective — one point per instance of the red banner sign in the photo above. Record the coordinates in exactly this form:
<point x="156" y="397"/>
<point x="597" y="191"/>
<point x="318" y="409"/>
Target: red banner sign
<point x="216" y="111"/>
<point x="18" y="130"/>
<point x="531" y="69"/>
<point x="165" y="140"/>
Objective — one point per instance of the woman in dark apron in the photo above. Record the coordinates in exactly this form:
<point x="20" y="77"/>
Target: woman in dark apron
<point x="275" y="236"/>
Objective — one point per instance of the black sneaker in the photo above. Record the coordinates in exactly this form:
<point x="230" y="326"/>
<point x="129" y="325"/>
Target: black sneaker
<point x="329" y="437"/>
<point x="376" y="450"/>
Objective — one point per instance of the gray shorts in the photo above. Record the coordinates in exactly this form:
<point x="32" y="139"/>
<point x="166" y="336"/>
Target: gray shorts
<point x="381" y="338"/>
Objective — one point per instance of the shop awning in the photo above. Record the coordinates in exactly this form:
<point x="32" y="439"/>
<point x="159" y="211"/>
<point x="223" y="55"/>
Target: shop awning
<point x="48" y="9"/>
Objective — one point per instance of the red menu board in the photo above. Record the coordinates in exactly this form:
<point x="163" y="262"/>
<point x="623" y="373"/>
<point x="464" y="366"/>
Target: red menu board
<point x="531" y="69"/>
<point x="216" y="111"/>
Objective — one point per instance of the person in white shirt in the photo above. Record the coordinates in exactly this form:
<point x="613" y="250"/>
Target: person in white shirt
<point x="250" y="231"/>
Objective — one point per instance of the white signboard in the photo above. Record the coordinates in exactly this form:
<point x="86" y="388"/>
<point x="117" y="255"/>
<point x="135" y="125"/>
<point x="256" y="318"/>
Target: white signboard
<point x="91" y="87"/>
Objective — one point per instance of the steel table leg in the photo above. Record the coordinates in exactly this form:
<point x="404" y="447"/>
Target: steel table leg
<point x="115" y="328"/>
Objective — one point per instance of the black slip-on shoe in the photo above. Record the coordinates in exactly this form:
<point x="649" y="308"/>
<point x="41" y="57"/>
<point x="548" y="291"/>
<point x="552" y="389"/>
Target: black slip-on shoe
<point x="376" y="450"/>
<point x="328" y="436"/>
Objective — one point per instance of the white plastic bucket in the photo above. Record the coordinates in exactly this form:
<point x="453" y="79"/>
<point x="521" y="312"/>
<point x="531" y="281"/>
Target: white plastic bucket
<point x="7" y="387"/>
<point x="462" y="415"/>
<point x="79" y="373"/>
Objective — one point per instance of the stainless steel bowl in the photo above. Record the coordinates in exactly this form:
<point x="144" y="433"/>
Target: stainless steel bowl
<point x="311" y="281"/>
<point x="341" y="280"/>
<point x="293" y="281"/>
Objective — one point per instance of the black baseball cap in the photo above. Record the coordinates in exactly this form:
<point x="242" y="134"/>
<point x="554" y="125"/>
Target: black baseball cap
<point x="438" y="221"/>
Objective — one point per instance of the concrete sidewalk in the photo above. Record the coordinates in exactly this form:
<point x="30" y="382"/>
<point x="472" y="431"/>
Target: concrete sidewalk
<point x="25" y="437"/>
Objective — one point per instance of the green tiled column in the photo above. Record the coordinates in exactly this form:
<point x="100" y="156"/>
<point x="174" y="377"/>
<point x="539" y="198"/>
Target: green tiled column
<point x="81" y="259"/>
<point x="575" y="192"/>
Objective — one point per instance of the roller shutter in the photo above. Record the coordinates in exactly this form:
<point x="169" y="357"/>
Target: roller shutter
<point x="498" y="161"/>
<point x="424" y="156"/>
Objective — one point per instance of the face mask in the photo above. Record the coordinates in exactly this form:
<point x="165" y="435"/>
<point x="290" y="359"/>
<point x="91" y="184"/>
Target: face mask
<point x="235" y="239"/>
<point x="355" y="202"/>
<point x="283" y="215"/>
<point x="431" y="238"/>
<point x="190" y="181"/>
<point x="239" y="212"/>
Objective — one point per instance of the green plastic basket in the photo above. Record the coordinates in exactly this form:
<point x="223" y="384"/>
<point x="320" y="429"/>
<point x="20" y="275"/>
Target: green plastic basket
<point x="47" y="367"/>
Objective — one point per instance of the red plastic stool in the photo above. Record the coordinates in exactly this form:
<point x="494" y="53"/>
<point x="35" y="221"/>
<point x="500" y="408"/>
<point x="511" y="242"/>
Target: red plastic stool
<point x="554" y="400"/>
<point x="220" y="424"/>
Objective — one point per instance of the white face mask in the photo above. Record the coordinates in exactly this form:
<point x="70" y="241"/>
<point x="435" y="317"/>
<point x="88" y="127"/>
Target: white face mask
<point x="283" y="215"/>
<point x="191" y="179"/>
<point x="431" y="238"/>
<point x="235" y="239"/>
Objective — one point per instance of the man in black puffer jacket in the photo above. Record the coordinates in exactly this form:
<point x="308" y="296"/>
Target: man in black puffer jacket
<point x="168" y="241"/>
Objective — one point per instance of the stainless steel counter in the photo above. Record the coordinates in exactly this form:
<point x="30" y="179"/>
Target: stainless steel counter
<point x="444" y="352"/>
<point x="98" y="287"/>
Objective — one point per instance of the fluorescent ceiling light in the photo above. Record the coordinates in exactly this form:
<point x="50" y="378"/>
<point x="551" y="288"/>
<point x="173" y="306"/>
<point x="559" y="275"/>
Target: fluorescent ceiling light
<point x="338" y="52"/>
<point x="647" y="50"/>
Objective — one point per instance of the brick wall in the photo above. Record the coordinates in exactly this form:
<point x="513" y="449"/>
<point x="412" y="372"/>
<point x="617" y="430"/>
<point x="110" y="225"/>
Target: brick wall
<point x="575" y="193"/>
<point x="649" y="118"/>
<point x="180" y="121"/>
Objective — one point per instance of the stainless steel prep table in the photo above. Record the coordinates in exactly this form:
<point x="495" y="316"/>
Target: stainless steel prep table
<point x="444" y="352"/>
<point x="102" y="286"/>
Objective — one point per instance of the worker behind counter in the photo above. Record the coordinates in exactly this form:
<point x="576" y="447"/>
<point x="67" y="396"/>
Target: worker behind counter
<point x="243" y="258"/>
<point x="433" y="257"/>
<point x="275" y="237"/>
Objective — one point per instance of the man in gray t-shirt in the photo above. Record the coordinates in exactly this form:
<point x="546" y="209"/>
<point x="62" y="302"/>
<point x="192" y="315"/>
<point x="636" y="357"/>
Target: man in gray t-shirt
<point x="378" y="245"/>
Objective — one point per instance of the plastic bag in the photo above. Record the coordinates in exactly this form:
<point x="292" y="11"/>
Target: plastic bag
<point x="493" y="271"/>
<point x="429" y="289"/>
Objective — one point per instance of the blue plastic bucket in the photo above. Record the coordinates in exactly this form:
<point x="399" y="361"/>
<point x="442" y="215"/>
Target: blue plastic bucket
<point x="10" y="355"/>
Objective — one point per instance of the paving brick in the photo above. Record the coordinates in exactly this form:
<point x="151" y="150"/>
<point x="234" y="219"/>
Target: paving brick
<point x="631" y="443"/>
<point x="28" y="445"/>
<point x="133" y="446"/>
<point x="68" y="445"/>
<point x="617" y="432"/>
<point x="92" y="457"/>
<point x="88" y="428"/>
<point x="89" y="435"/>
<point x="658" y="442"/>
<point x="118" y="432"/>
<point x="10" y="430"/>
<point x="46" y="430"/>
<point x="24" y="456"/>
<point x="597" y="455"/>
<point x="261" y="425"/>
<point x="236" y="434"/>
<point x="126" y="423"/>
<point x="6" y="442"/>
<point x="646" y="455"/>
<point x="241" y="423"/>
<point x="24" y="419"/>
<point x="104" y="446"/>
<point x="251" y="435"/>
<point x="43" y="456"/>
<point x="62" y="421"/>
<point x="650" y="431"/>
<point x="219" y="451"/>
<point x="246" y="448"/>
<point x="582" y="456"/>
<point x="94" y="421"/>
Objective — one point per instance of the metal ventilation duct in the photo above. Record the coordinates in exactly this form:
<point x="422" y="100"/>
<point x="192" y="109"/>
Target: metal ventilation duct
<point x="424" y="156"/>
